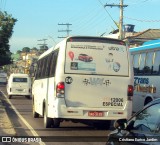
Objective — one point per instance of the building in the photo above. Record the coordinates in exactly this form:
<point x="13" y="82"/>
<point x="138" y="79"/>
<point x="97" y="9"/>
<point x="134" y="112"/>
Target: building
<point x="23" y="61"/>
<point x="139" y="38"/>
<point x="135" y="39"/>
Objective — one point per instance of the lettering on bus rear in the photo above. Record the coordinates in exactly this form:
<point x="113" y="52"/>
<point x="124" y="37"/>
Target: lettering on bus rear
<point x="113" y="102"/>
<point x="96" y="81"/>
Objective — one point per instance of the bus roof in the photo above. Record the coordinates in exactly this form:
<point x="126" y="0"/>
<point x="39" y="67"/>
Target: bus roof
<point x="147" y="45"/>
<point x="19" y="75"/>
<point x="73" y="38"/>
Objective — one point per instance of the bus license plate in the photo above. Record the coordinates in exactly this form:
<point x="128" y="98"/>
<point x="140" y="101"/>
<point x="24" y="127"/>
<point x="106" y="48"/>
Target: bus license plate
<point x="19" y="90"/>
<point x="95" y="114"/>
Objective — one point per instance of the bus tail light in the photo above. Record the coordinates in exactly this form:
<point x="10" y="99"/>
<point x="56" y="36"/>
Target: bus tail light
<point x="60" y="89"/>
<point x="130" y="92"/>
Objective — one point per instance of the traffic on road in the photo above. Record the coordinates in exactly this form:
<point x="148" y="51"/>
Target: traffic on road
<point x="72" y="100"/>
<point x="19" y="111"/>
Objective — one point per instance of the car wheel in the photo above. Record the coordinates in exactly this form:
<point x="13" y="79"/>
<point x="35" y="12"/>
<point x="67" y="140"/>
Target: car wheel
<point x="47" y="121"/>
<point x="147" y="101"/>
<point x="9" y="96"/>
<point x="28" y="97"/>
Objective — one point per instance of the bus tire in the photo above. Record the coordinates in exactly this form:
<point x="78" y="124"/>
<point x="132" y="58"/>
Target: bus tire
<point x="47" y="121"/>
<point x="56" y="123"/>
<point x="35" y="114"/>
<point x="102" y="124"/>
<point x="9" y="96"/>
<point x="147" y="100"/>
<point x="28" y="97"/>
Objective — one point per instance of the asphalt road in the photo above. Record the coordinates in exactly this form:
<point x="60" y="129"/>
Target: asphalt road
<point x="19" y="110"/>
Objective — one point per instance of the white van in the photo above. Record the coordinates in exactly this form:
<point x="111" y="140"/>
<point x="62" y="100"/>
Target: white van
<point x="19" y="85"/>
<point x="83" y="79"/>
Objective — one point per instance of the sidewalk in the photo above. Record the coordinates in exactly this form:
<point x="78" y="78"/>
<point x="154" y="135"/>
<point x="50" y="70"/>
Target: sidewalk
<point x="6" y="127"/>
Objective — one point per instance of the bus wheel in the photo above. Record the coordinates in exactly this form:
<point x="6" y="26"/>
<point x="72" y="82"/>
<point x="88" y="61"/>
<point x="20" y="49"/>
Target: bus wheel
<point x="102" y="124"/>
<point x="35" y="114"/>
<point x="28" y="97"/>
<point x="9" y="96"/>
<point x="56" y="122"/>
<point x="47" y="121"/>
<point x="147" y="101"/>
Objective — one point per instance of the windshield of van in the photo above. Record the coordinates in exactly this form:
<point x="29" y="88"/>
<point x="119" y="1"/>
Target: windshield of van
<point x="96" y="56"/>
<point x="22" y="80"/>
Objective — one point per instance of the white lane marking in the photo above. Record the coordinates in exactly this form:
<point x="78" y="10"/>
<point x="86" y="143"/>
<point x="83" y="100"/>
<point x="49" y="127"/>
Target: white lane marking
<point x="23" y="120"/>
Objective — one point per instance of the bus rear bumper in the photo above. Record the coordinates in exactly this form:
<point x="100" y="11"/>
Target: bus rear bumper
<point x="92" y="113"/>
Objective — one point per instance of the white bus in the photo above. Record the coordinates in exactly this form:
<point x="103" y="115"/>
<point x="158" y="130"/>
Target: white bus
<point x="84" y="79"/>
<point x="146" y="63"/>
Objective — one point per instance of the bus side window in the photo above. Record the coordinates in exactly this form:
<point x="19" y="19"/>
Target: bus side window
<point x="35" y="70"/>
<point x="48" y="61"/>
<point x="142" y="63"/>
<point x="149" y="63"/>
<point x="156" y="65"/>
<point x="43" y="68"/>
<point x="53" y="64"/>
<point x="38" y="70"/>
<point x="136" y="63"/>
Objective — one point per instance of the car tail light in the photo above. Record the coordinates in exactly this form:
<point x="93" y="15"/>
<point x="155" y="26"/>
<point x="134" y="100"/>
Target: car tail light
<point x="130" y="92"/>
<point x="60" y="89"/>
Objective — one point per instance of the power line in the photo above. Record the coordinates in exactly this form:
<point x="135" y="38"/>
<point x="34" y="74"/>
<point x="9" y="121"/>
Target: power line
<point x="137" y="2"/>
<point x="108" y="13"/>
<point x="3" y="4"/>
<point x="140" y="20"/>
<point x="90" y="22"/>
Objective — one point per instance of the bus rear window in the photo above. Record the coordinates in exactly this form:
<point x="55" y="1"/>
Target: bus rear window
<point x="97" y="40"/>
<point x="22" y="80"/>
<point x="92" y="57"/>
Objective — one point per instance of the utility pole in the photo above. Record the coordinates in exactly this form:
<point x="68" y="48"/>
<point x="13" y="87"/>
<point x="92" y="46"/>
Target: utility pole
<point x="67" y="30"/>
<point x="121" y="6"/>
<point x="44" y="43"/>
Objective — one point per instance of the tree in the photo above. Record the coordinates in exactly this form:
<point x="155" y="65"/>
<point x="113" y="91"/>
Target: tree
<point x="19" y="51"/>
<point x="26" y="49"/>
<point x="34" y="48"/>
<point x="7" y="23"/>
<point x="5" y="59"/>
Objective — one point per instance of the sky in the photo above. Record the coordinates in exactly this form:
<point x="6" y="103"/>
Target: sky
<point x="39" y="19"/>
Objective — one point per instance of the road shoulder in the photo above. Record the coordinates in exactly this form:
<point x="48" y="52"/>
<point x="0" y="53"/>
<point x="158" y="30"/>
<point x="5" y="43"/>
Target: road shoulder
<point x="6" y="127"/>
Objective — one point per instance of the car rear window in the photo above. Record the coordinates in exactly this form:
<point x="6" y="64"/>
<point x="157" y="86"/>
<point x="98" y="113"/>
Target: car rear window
<point x="96" y="57"/>
<point x="22" y="80"/>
